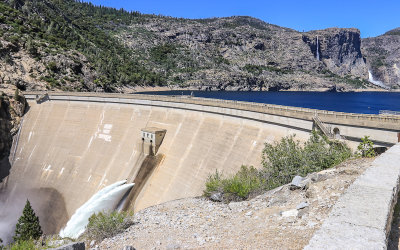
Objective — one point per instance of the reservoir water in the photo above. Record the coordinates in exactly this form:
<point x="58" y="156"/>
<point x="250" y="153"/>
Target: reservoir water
<point x="350" y="102"/>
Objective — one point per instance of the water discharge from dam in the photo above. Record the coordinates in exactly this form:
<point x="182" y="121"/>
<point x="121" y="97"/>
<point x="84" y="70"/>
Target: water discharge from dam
<point x="107" y="199"/>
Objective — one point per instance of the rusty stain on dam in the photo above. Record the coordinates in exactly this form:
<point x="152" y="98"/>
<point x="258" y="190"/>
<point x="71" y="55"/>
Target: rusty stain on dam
<point x="76" y="147"/>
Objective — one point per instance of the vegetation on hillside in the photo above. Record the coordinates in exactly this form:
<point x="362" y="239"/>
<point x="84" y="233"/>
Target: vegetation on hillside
<point x="39" y="26"/>
<point x="107" y="224"/>
<point x="111" y="48"/>
<point x="366" y="148"/>
<point x="282" y="161"/>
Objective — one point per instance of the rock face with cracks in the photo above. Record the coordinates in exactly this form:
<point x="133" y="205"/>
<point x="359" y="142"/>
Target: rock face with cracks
<point x="11" y="111"/>
<point x="383" y="57"/>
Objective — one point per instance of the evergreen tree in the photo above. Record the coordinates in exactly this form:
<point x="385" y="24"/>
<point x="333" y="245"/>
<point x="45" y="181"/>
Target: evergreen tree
<point x="28" y="226"/>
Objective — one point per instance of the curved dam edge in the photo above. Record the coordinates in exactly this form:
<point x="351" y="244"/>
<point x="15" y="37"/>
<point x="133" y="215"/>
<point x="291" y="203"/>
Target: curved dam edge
<point x="78" y="143"/>
<point x="362" y="217"/>
<point x="383" y="130"/>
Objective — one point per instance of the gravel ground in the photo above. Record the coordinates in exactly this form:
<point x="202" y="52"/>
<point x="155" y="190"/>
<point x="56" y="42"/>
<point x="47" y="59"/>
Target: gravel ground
<point x="279" y="219"/>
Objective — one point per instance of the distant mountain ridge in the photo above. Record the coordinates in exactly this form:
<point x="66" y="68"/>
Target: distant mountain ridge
<point x="69" y="45"/>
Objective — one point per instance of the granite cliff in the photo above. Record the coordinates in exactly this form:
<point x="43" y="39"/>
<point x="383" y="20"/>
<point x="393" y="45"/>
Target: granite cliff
<point x="246" y="53"/>
<point x="383" y="57"/>
<point x="12" y="108"/>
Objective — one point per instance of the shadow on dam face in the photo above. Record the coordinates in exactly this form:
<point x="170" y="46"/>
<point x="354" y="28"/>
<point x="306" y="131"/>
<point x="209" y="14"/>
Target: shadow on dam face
<point x="149" y="164"/>
<point x="48" y="204"/>
<point x="5" y="167"/>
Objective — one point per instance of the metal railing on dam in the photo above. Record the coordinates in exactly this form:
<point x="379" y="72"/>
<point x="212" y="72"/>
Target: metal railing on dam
<point x="381" y="121"/>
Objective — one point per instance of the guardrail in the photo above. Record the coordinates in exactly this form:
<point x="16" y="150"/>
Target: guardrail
<point x="388" y="112"/>
<point x="322" y="126"/>
<point x="391" y="122"/>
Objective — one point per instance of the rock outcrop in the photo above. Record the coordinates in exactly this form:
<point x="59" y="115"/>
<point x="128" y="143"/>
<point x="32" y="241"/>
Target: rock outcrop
<point x="12" y="107"/>
<point x="339" y="50"/>
<point x="383" y="57"/>
<point x="244" y="53"/>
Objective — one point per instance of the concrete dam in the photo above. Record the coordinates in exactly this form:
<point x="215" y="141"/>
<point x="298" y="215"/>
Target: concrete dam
<point x="71" y="145"/>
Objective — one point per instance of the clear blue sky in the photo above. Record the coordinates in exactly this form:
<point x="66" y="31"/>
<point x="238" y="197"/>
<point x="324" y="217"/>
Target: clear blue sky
<point x="372" y="17"/>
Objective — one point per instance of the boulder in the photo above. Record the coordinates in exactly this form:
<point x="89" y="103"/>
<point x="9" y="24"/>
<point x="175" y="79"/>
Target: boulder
<point x="302" y="205"/>
<point x="128" y="248"/>
<point x="72" y="246"/>
<point x="296" y="183"/>
<point x="217" y="197"/>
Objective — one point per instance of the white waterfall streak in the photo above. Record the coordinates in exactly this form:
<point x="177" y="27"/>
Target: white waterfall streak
<point x="375" y="82"/>
<point x="107" y="199"/>
<point x="317" y="49"/>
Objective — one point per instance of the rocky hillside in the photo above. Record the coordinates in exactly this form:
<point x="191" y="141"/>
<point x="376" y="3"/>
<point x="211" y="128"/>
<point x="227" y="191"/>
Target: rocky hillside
<point x="12" y="107"/>
<point x="383" y="57"/>
<point x="246" y="53"/>
<point x="69" y="45"/>
<point x="283" y="218"/>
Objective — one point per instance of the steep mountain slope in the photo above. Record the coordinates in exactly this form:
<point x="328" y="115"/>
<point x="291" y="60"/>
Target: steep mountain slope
<point x="243" y="52"/>
<point x="383" y="57"/>
<point x="69" y="45"/>
<point x="66" y="45"/>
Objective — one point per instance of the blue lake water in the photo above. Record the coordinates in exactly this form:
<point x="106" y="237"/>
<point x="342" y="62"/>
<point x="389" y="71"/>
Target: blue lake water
<point x="351" y="102"/>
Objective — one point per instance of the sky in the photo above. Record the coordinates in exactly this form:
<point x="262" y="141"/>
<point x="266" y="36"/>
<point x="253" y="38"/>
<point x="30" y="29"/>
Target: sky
<point x="372" y="17"/>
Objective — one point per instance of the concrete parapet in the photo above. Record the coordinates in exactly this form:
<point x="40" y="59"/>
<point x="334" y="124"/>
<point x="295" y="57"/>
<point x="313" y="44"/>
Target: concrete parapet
<point x="362" y="217"/>
<point x="383" y="130"/>
<point x="369" y="120"/>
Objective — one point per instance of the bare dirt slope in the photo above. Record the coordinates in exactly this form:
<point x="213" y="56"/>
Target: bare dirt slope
<point x="275" y="220"/>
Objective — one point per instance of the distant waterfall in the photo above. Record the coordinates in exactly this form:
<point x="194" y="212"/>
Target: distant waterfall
<point x="376" y="82"/>
<point x="317" y="49"/>
<point x="106" y="199"/>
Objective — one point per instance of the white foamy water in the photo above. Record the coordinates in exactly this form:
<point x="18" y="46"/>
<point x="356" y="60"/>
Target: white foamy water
<point x="317" y="49"/>
<point x="375" y="82"/>
<point x="107" y="199"/>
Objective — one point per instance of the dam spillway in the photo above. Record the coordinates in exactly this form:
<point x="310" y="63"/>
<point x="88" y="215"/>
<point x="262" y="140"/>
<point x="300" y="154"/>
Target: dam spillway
<point x="76" y="144"/>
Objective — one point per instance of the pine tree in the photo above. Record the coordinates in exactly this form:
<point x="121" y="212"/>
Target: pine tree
<point x="28" y="226"/>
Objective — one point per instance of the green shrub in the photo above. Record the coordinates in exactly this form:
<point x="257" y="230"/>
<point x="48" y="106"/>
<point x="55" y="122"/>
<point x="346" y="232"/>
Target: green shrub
<point x="23" y="245"/>
<point x="214" y="184"/>
<point x="244" y="182"/>
<point x="106" y="225"/>
<point x="366" y="148"/>
<point x="237" y="187"/>
<point x="287" y="158"/>
<point x="281" y="161"/>
<point x="320" y="153"/>
<point x="52" y="66"/>
<point x="17" y="96"/>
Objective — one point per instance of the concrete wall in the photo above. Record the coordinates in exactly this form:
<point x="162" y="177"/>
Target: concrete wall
<point x="383" y="129"/>
<point x="362" y="217"/>
<point x="77" y="148"/>
<point x="77" y="143"/>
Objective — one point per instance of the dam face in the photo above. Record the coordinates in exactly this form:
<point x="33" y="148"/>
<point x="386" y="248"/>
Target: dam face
<point x="75" y="148"/>
<point x="71" y="145"/>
